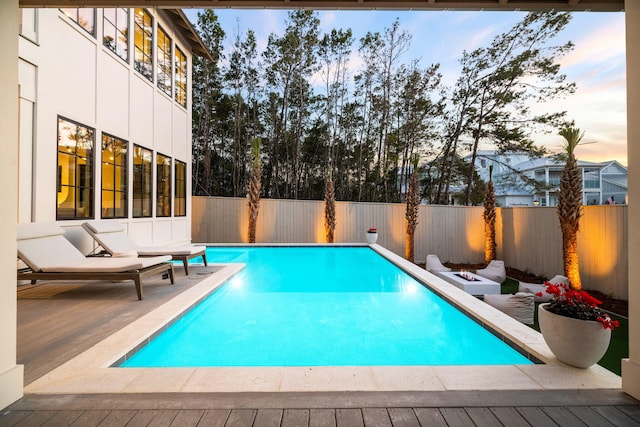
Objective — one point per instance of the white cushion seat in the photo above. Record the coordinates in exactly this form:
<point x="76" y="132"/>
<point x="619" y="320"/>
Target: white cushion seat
<point x="433" y="264"/>
<point x="520" y="306"/>
<point x="494" y="271"/>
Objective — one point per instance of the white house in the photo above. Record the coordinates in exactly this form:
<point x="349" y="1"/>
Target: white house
<point x="105" y="120"/>
<point x="601" y="182"/>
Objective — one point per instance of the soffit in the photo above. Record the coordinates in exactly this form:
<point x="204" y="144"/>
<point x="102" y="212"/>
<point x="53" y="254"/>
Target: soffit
<point x="525" y="5"/>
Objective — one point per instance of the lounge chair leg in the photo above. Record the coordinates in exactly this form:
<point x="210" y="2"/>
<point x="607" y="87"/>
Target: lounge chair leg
<point x="171" y="273"/>
<point x="185" y="262"/>
<point x="138" y="287"/>
<point x="204" y="258"/>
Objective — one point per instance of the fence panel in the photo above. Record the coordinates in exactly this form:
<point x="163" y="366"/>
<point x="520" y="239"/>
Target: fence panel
<point x="528" y="238"/>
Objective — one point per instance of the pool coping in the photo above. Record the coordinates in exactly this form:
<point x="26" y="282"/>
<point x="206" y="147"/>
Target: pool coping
<point x="92" y="371"/>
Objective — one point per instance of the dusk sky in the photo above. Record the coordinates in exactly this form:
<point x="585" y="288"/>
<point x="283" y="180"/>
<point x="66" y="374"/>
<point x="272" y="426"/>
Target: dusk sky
<point x="596" y="65"/>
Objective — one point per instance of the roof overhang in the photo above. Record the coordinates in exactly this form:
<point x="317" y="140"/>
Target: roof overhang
<point x="190" y="33"/>
<point x="525" y="5"/>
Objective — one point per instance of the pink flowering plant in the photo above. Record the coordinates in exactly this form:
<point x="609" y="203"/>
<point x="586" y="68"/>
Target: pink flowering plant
<point x="576" y="304"/>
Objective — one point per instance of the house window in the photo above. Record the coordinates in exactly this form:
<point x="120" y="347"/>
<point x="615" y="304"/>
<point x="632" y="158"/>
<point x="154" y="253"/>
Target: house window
<point x="83" y="16"/>
<point x="115" y="31"/>
<point x="181" y="189"/>
<point x="143" y="39"/>
<point x="181" y="78"/>
<point x="114" y="177"/>
<point x="164" y="62"/>
<point x="142" y="182"/>
<point x="163" y="185"/>
<point x="74" y="181"/>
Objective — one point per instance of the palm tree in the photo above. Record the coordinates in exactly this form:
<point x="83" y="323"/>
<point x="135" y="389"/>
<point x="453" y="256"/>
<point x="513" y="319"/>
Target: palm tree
<point x="570" y="206"/>
<point x="489" y="216"/>
<point x="411" y="214"/>
<point x="254" y="189"/>
<point x="329" y="209"/>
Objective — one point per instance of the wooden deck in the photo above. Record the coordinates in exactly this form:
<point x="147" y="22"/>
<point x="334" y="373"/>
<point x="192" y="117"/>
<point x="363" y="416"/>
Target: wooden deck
<point x="58" y="321"/>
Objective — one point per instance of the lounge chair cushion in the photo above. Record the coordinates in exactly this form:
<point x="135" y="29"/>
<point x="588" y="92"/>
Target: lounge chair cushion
<point x="494" y="271"/>
<point x="433" y="264"/>
<point x="105" y="226"/>
<point x="520" y="306"/>
<point x="107" y="264"/>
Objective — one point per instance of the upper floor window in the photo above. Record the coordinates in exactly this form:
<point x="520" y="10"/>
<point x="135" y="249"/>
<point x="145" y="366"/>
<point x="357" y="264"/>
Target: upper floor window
<point x="163" y="185"/>
<point x="143" y="40"/>
<point x="83" y="16"/>
<point x="142" y="184"/>
<point x="74" y="181"/>
<point x="114" y="177"/>
<point x="115" y="31"/>
<point x="29" y="24"/>
<point x="181" y="78"/>
<point x="181" y="189"/>
<point x="164" y="61"/>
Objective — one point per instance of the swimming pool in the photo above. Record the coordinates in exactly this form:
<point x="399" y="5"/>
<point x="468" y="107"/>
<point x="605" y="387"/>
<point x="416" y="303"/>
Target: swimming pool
<point x="321" y="306"/>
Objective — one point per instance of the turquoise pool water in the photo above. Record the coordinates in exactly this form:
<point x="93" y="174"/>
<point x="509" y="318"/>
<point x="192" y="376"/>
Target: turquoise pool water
<point x="321" y="306"/>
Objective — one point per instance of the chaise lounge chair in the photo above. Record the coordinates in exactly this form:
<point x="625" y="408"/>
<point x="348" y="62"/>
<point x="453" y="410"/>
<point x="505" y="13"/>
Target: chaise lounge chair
<point x="433" y="264"/>
<point x="494" y="271"/>
<point x="50" y="256"/>
<point x="110" y="234"/>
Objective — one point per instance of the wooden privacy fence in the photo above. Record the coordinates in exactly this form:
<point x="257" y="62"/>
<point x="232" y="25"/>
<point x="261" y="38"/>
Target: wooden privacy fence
<point x="528" y="238"/>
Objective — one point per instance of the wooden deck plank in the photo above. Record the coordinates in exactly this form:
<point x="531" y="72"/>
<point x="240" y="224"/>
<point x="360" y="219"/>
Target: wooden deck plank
<point x="214" y="418"/>
<point x="61" y="418"/>
<point x="376" y="417"/>
<point x="117" y="418"/>
<point x="483" y="417"/>
<point x="456" y="417"/>
<point x="403" y="417"/>
<point x="142" y="418"/>
<point x="590" y="417"/>
<point x="430" y="417"/>
<point x="563" y="417"/>
<point x="187" y="418"/>
<point x="322" y="417"/>
<point x="268" y="418"/>
<point x="35" y="418"/>
<point x="631" y="411"/>
<point x="90" y="418"/>
<point x="295" y="418"/>
<point x="349" y="418"/>
<point x="509" y="417"/>
<point x="163" y="418"/>
<point x="241" y="418"/>
<point x="616" y="416"/>
<point x="10" y="418"/>
<point x="536" y="416"/>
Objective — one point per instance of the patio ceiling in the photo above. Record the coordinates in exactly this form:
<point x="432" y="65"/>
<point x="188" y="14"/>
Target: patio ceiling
<point x="569" y="5"/>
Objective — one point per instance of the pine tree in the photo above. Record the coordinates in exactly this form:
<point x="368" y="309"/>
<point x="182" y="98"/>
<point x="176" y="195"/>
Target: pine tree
<point x="254" y="190"/>
<point x="570" y="207"/>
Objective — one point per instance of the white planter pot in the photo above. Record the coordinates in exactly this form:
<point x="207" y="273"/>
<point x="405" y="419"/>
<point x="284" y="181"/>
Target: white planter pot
<point x="579" y="343"/>
<point x="371" y="238"/>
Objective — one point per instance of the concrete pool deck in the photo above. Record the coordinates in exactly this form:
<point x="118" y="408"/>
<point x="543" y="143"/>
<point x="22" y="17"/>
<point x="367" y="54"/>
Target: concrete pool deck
<point x="91" y="371"/>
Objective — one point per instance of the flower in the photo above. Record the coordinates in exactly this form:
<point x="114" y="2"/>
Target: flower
<point x="372" y="230"/>
<point x="576" y="304"/>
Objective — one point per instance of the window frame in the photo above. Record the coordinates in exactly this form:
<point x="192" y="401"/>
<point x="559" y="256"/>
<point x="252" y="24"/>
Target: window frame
<point x="164" y="69"/>
<point x="124" y="158"/>
<point x="180" y="77"/>
<point x="115" y="26"/>
<point x="76" y="188"/>
<point x="180" y="188"/>
<point x="147" y="37"/>
<point x="139" y="188"/>
<point x="73" y="13"/>
<point x="163" y="186"/>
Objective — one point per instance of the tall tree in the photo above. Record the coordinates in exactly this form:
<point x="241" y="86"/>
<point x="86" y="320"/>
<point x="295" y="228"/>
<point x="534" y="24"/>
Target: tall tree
<point x="570" y="206"/>
<point x="329" y="210"/>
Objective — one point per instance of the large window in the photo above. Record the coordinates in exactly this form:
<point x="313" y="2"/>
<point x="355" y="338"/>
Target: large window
<point x="181" y="189"/>
<point x="115" y="31"/>
<point x="142" y="183"/>
<point x="164" y="62"/>
<point x="143" y="39"/>
<point x="75" y="170"/>
<point x="181" y="78"/>
<point x="163" y="185"/>
<point x="114" y="177"/>
<point x="83" y="16"/>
